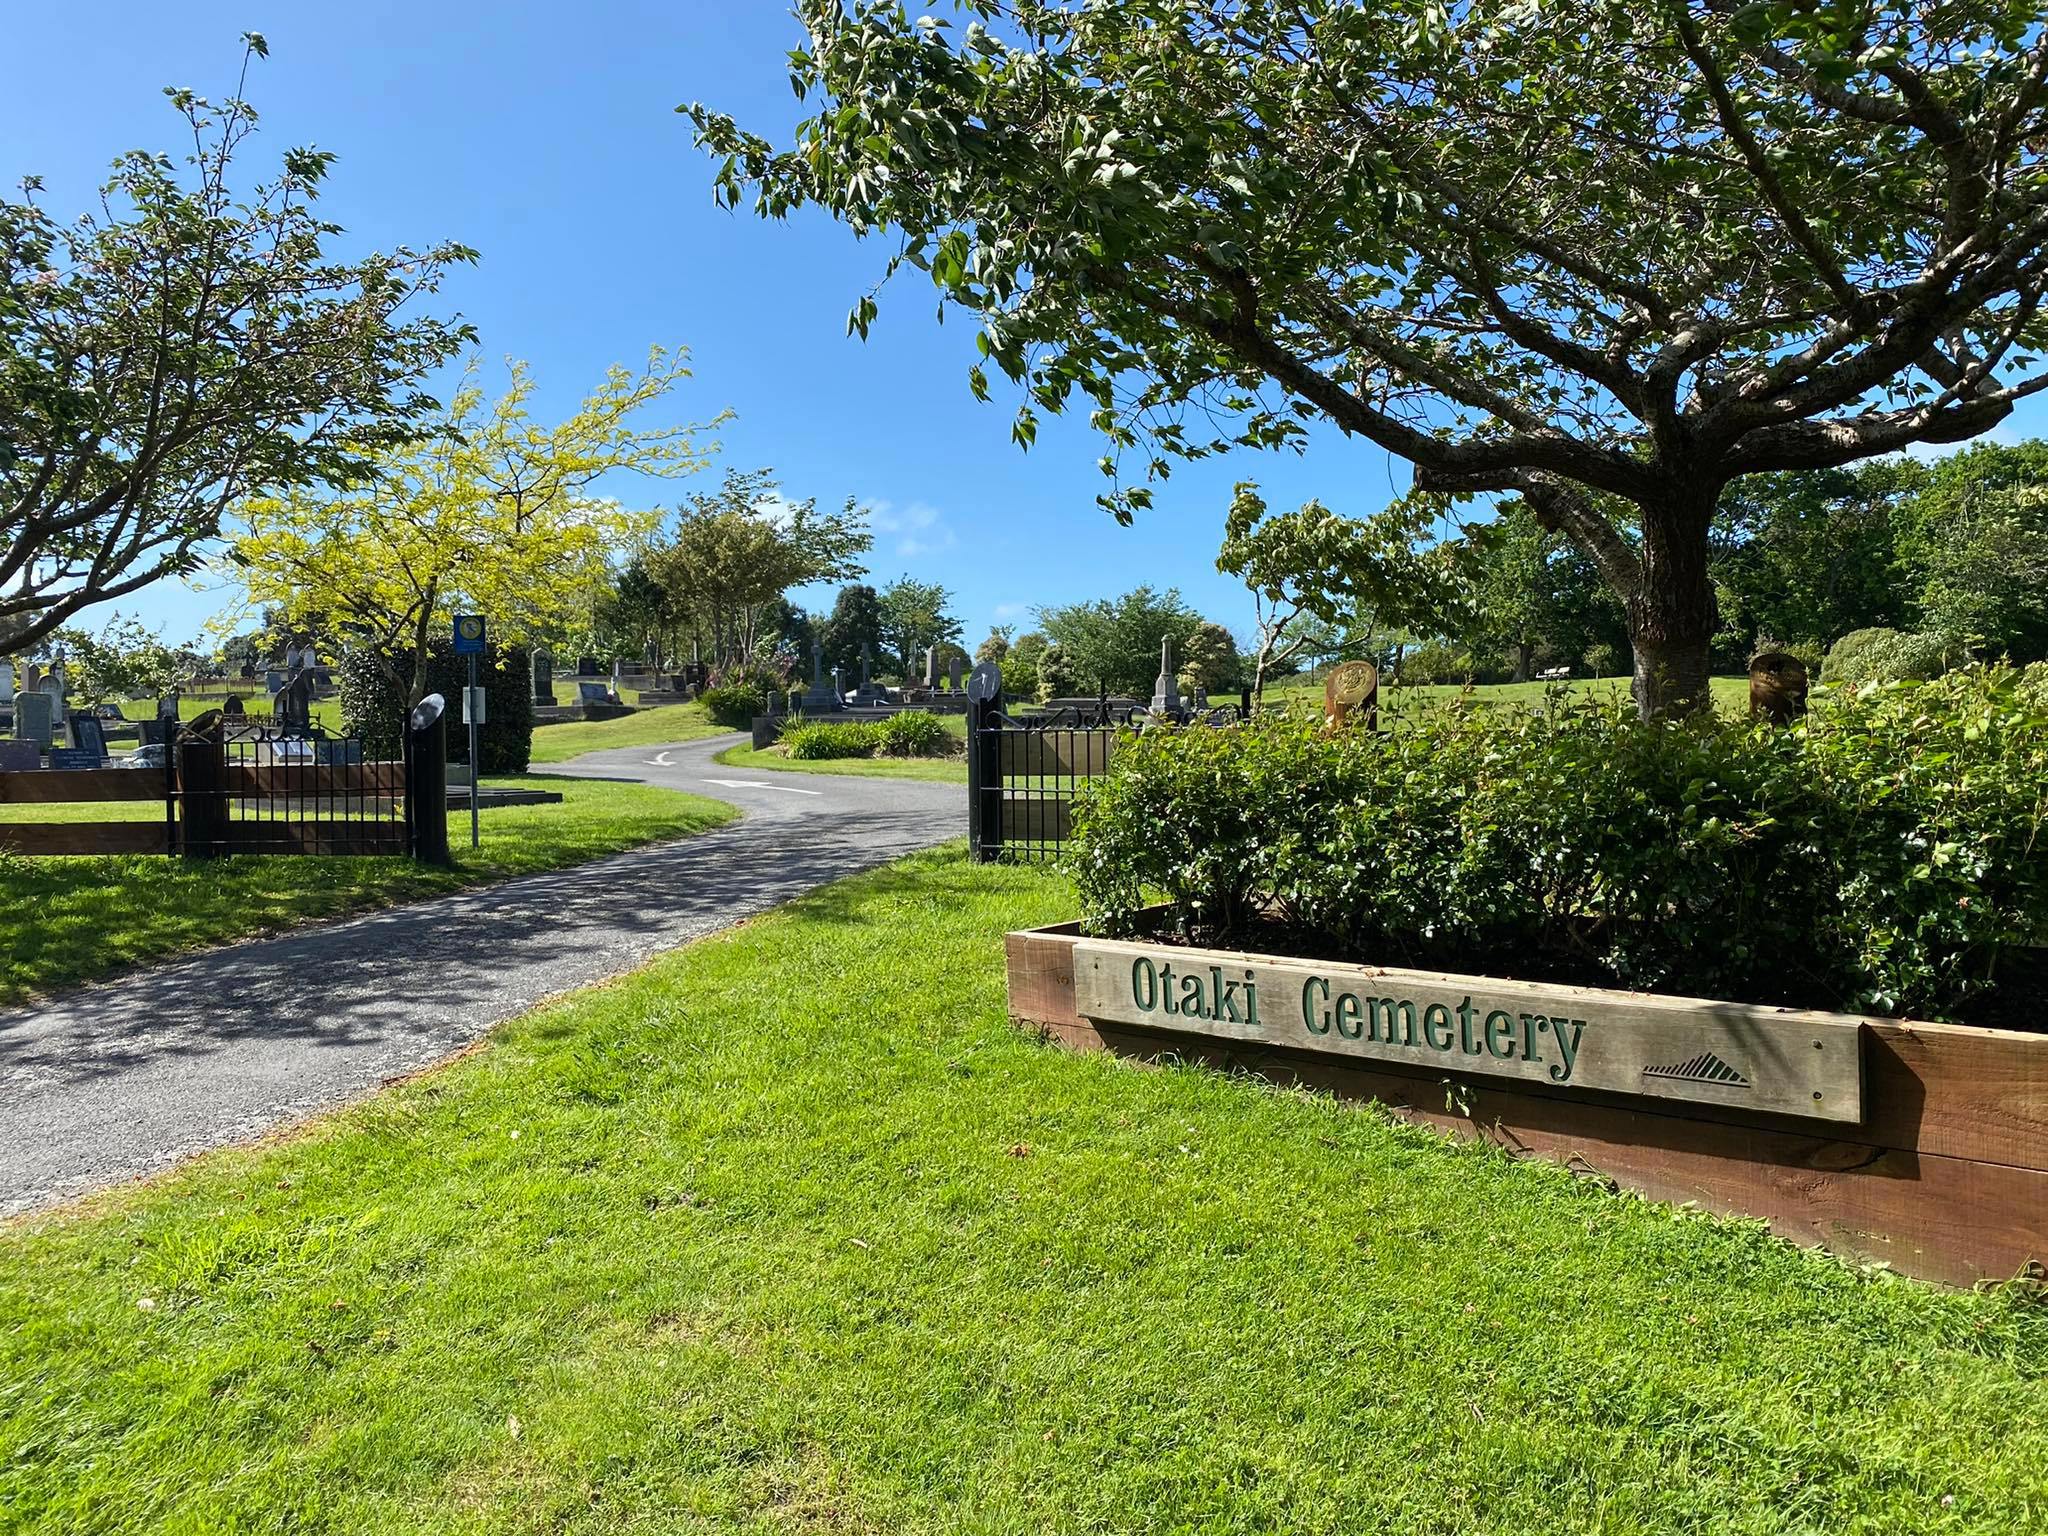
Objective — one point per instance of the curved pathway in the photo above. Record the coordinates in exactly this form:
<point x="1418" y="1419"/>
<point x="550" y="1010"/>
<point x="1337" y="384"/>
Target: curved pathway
<point x="128" y="1076"/>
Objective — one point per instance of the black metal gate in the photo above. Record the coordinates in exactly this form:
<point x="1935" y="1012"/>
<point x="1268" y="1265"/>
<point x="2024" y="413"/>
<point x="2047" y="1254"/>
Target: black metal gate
<point x="1024" y="770"/>
<point x="249" y="785"/>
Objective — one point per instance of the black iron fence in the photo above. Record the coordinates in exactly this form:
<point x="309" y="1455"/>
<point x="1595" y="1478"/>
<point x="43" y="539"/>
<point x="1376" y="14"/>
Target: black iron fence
<point x="249" y="787"/>
<point x="1024" y="770"/>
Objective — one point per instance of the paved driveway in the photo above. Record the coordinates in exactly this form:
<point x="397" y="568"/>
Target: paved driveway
<point x="128" y="1076"/>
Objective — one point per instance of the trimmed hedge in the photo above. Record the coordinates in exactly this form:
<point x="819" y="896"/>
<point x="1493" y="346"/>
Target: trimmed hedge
<point x="1888" y="656"/>
<point x="1888" y="854"/>
<point x="374" y="708"/>
<point x="735" y="705"/>
<point x="904" y="735"/>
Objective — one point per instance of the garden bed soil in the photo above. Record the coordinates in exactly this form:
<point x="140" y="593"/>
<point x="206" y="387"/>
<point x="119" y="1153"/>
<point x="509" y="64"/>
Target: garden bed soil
<point x="1943" y="1176"/>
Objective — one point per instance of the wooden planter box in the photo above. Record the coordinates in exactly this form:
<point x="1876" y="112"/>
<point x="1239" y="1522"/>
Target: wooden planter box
<point x="1924" y="1146"/>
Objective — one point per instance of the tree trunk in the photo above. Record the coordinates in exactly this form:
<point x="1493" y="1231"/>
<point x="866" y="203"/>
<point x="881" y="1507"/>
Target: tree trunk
<point x="1672" y="616"/>
<point x="1521" y="650"/>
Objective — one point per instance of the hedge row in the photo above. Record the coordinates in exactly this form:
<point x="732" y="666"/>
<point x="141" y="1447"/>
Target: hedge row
<point x="1886" y="855"/>
<point x="905" y="735"/>
<point x="374" y="707"/>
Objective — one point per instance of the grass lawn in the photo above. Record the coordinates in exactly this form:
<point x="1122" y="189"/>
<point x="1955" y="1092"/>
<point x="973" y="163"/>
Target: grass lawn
<point x="66" y="920"/>
<point x="650" y="727"/>
<point x="1731" y="694"/>
<point x="792" y="1231"/>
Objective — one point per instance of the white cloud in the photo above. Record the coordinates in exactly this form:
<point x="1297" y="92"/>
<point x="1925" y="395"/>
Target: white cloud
<point x="919" y="528"/>
<point x="1011" y="610"/>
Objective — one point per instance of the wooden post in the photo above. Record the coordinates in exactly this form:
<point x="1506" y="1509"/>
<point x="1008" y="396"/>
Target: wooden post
<point x="202" y="794"/>
<point x="426" y="782"/>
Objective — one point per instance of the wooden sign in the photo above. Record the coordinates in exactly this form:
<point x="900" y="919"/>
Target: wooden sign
<point x="1783" y="1061"/>
<point x="1347" y="688"/>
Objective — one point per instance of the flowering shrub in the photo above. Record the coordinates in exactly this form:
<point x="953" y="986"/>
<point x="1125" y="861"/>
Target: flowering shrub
<point x="1883" y="855"/>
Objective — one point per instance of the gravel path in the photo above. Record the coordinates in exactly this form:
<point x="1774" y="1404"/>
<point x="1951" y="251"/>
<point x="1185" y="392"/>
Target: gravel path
<point x="129" y="1076"/>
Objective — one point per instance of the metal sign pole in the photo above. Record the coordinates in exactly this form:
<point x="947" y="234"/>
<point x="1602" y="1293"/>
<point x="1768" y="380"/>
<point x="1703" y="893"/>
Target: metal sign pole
<point x="475" y="754"/>
<point x="472" y="633"/>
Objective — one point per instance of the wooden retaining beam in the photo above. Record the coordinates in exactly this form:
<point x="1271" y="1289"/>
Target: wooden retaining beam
<point x="1945" y="1177"/>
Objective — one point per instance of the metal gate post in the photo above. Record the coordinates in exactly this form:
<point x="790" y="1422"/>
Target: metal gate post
<point x="426" y="782"/>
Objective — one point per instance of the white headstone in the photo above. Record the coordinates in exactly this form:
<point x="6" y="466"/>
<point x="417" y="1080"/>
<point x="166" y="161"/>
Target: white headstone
<point x="6" y="682"/>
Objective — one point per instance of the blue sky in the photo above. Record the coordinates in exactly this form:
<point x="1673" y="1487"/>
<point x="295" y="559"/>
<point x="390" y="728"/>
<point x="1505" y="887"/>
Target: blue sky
<point x="546" y="137"/>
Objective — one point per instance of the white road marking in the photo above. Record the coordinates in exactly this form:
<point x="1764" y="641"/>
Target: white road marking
<point x="661" y="761"/>
<point x="787" y="789"/>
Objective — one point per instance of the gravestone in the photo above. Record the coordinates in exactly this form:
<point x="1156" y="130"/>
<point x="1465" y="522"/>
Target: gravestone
<point x="20" y="757"/>
<point x="820" y="695"/>
<point x="89" y="736"/>
<point x="543" y="677"/>
<point x="931" y="668"/>
<point x="31" y="678"/>
<point x="34" y="719"/>
<point x="53" y="686"/>
<point x="234" y="709"/>
<point x="273" y="682"/>
<point x="593" y="693"/>
<point x="953" y="673"/>
<point x="588" y="666"/>
<point x="1165" y="690"/>
<point x="74" y="758"/>
<point x="6" y="682"/>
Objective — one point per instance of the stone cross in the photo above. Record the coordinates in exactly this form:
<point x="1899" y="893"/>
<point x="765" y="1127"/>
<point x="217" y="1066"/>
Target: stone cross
<point x="821" y="694"/>
<point x="867" y="657"/>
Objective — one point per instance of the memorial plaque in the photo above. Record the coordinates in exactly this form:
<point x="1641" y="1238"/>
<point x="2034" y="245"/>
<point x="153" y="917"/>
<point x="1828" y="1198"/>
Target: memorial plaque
<point x="1780" y="1060"/>
<point x="75" y="758"/>
<point x="20" y="757"/>
<point x="1349" y="687"/>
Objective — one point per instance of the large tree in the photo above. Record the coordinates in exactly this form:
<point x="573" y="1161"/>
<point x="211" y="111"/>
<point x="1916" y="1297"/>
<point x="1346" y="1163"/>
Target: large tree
<point x="493" y="514"/>
<point x="914" y="618"/>
<point x="1609" y="255"/>
<point x="736" y="551"/>
<point x="189" y="343"/>
<point x="1113" y="644"/>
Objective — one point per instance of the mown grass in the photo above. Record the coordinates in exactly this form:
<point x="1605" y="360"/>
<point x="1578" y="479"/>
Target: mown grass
<point x="1731" y="694"/>
<point x="793" y="1231"/>
<point x="659" y="726"/>
<point x="68" y="920"/>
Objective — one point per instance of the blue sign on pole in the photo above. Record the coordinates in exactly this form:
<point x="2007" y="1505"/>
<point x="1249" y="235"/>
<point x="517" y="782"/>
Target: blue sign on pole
<point x="469" y="634"/>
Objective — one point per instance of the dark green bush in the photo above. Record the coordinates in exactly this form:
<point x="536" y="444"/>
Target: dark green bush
<point x="735" y="705"/>
<point x="1884" y="855"/>
<point x="373" y="706"/>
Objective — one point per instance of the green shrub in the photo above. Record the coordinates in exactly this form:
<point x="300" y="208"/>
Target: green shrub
<point x="917" y="735"/>
<point x="1880" y="856"/>
<point x="1888" y="656"/>
<point x="815" y="740"/>
<point x="911" y="734"/>
<point x="373" y="705"/>
<point x="735" y="705"/>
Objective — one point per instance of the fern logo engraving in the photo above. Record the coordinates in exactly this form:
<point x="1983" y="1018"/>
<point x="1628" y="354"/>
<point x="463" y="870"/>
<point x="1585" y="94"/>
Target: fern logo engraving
<point x="1703" y="1068"/>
